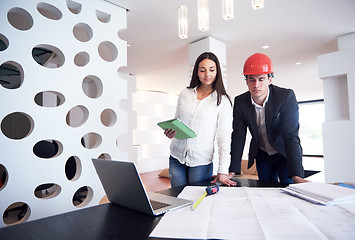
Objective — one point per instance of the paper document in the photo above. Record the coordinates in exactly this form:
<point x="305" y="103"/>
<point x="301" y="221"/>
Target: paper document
<point x="182" y="131"/>
<point x="237" y="213"/>
<point x="322" y="193"/>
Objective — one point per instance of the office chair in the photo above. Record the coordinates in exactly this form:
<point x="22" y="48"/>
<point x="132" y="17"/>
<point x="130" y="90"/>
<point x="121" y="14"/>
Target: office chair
<point x="70" y="171"/>
<point x="80" y="195"/>
<point x="23" y="210"/>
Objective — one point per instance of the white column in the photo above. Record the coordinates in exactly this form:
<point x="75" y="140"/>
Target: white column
<point x="338" y="74"/>
<point x="209" y="44"/>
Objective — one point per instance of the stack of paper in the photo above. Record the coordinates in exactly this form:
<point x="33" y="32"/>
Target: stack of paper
<point x="321" y="193"/>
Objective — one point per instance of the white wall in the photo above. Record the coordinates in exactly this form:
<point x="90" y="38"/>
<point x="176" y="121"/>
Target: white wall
<point x="149" y="140"/>
<point x="338" y="74"/>
<point x="83" y="34"/>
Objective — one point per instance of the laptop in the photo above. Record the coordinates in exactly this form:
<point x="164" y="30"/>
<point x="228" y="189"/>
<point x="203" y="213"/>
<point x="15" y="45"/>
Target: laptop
<point x="124" y="187"/>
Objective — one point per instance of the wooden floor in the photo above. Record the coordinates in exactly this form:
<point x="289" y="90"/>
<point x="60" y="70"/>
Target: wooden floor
<point x="152" y="183"/>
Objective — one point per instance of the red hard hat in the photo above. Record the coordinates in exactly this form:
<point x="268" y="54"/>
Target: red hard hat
<point x="257" y="63"/>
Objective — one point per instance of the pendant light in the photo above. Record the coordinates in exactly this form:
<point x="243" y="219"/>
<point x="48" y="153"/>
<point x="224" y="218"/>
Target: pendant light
<point x="228" y="9"/>
<point x="183" y="22"/>
<point x="203" y="15"/>
<point x="256" y="4"/>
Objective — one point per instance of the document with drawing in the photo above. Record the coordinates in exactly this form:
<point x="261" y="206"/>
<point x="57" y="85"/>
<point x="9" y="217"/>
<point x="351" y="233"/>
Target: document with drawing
<point x="253" y="213"/>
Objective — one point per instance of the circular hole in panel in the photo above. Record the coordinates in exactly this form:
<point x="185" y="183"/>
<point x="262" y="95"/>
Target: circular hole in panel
<point x="47" y="148"/>
<point x="11" y="75"/>
<point x="82" y="32"/>
<point x="48" y="56"/>
<point x="92" y="86"/>
<point x="103" y="17"/>
<point x="49" y="99"/>
<point x="74" y="7"/>
<point x="81" y="59"/>
<point x="47" y="190"/>
<point x="83" y="196"/>
<point x="17" y="125"/>
<point x="4" y="42"/>
<point x="108" y="117"/>
<point x="3" y="176"/>
<point x="73" y="168"/>
<point x="17" y="212"/>
<point x="19" y="18"/>
<point x="49" y="11"/>
<point x="77" y="116"/>
<point x="91" y="140"/>
<point x="108" y="51"/>
<point x="105" y="156"/>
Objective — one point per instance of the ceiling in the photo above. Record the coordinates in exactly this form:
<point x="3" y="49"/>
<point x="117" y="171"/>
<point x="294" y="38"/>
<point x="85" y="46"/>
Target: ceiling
<point x="297" y="31"/>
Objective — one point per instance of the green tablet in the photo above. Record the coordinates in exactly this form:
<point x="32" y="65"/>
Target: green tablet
<point x="182" y="131"/>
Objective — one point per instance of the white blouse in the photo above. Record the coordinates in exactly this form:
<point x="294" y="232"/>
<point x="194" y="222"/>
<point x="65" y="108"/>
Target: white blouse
<point x="210" y="122"/>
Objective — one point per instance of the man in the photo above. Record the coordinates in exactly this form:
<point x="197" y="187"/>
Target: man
<point x="271" y="114"/>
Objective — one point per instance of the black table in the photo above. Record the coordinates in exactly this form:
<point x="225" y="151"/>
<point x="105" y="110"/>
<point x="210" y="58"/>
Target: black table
<point x="106" y="221"/>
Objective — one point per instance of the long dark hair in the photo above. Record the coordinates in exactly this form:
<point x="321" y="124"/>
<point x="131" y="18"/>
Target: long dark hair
<point x="217" y="85"/>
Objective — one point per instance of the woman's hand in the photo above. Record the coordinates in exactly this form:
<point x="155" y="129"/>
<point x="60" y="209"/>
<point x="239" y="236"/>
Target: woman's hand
<point x="224" y="179"/>
<point x="170" y="133"/>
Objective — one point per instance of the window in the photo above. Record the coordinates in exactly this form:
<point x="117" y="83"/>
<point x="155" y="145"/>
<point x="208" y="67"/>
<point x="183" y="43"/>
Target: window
<point x="311" y="115"/>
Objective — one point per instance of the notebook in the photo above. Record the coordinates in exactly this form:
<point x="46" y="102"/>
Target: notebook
<point x="123" y="186"/>
<point x="182" y="131"/>
<point x="321" y="193"/>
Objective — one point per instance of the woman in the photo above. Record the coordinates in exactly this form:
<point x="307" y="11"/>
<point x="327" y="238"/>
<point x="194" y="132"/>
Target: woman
<point x="206" y="108"/>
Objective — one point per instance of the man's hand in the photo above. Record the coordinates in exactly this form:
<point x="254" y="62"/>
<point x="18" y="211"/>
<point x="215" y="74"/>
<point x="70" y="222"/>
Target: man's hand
<point x="297" y="179"/>
<point x="224" y="179"/>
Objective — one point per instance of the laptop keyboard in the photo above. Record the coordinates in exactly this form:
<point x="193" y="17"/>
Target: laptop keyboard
<point x="157" y="205"/>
